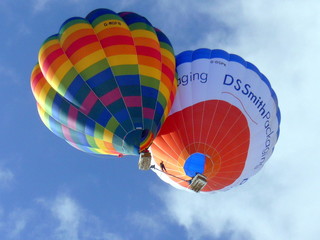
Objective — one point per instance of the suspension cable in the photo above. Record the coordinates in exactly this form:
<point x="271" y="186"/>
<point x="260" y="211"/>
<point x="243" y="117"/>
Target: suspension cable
<point x="153" y="167"/>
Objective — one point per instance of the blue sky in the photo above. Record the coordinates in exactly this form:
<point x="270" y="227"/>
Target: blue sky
<point x="48" y="190"/>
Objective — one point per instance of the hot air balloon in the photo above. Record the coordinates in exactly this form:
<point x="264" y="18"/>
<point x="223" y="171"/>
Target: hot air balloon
<point x="223" y="125"/>
<point x="105" y="83"/>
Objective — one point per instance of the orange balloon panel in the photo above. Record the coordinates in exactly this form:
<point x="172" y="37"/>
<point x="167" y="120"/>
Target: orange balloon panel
<point x="214" y="128"/>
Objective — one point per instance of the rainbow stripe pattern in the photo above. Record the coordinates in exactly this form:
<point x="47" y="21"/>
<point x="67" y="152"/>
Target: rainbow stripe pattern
<point x="105" y="83"/>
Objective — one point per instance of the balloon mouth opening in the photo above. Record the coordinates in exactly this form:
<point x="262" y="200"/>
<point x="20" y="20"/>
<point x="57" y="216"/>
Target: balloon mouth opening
<point x="146" y="139"/>
<point x="195" y="164"/>
<point x="144" y="134"/>
<point x="137" y="140"/>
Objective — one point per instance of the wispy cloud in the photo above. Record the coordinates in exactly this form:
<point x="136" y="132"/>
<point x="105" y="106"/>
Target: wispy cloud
<point x="150" y="225"/>
<point x="69" y="215"/>
<point x="61" y="218"/>
<point x="6" y="176"/>
<point x="262" y="209"/>
<point x="73" y="222"/>
<point x="40" y="5"/>
<point x="9" y="76"/>
<point x="189" y="23"/>
<point x="125" y="5"/>
<point x="44" y="5"/>
<point x="17" y="222"/>
<point x="14" y="223"/>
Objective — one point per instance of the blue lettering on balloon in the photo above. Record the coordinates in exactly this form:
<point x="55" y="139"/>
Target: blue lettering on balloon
<point x="184" y="80"/>
<point x="260" y="105"/>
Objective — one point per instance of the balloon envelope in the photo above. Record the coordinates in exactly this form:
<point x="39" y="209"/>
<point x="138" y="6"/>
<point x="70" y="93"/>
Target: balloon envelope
<point x="224" y="122"/>
<point x="105" y="83"/>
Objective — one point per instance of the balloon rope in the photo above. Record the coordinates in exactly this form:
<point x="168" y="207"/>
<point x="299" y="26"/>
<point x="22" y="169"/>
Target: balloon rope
<point x="169" y="174"/>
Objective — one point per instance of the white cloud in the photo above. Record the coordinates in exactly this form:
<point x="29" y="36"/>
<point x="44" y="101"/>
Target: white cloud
<point x="126" y="4"/>
<point x="142" y="220"/>
<point x="62" y="218"/>
<point x="72" y="221"/>
<point x="282" y="202"/>
<point x="39" y="5"/>
<point x="9" y="75"/>
<point x="17" y="222"/>
<point x="13" y="224"/>
<point x="69" y="214"/>
<point x="267" y="207"/>
<point x="6" y="176"/>
<point x="150" y="225"/>
<point x="44" y="5"/>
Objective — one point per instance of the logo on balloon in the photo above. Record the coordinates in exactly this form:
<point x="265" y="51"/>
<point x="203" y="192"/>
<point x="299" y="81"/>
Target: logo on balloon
<point x="245" y="89"/>
<point x="184" y="80"/>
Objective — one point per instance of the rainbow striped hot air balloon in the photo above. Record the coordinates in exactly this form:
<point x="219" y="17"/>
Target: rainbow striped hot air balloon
<point x="223" y="125"/>
<point x="105" y="83"/>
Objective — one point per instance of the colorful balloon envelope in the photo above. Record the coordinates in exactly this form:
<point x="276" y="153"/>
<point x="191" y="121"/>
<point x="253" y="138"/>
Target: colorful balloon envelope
<point x="105" y="83"/>
<point x="224" y="122"/>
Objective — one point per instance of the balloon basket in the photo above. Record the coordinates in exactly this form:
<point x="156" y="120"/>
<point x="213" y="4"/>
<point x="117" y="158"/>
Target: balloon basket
<point x="144" y="161"/>
<point x="198" y="182"/>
